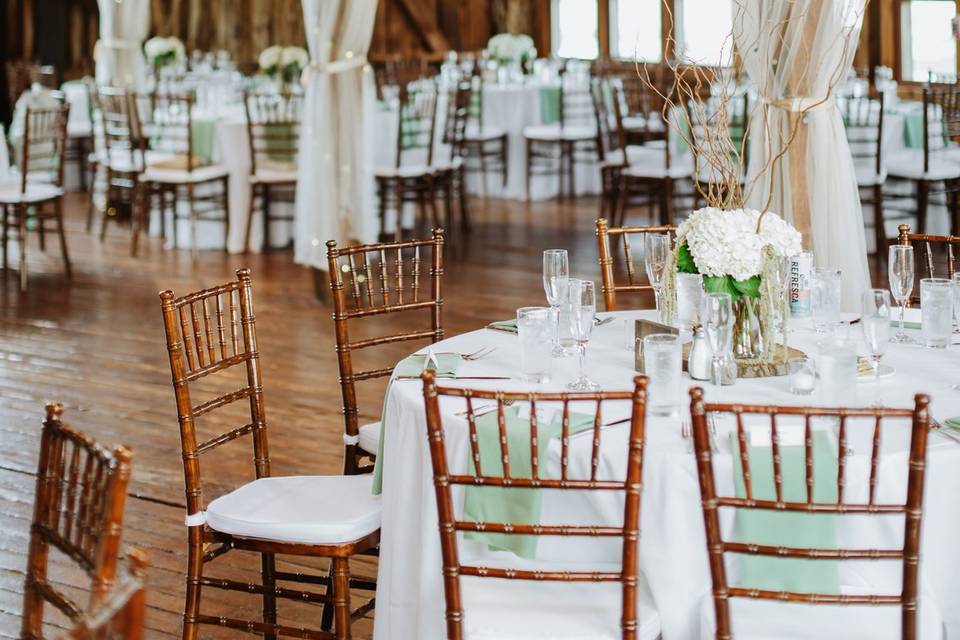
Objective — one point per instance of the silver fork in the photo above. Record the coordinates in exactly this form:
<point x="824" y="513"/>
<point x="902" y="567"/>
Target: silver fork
<point x="482" y="352"/>
<point x="687" y="434"/>
<point x="484" y="410"/>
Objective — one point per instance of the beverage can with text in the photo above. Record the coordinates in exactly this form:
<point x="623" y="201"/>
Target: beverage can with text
<point x="801" y="266"/>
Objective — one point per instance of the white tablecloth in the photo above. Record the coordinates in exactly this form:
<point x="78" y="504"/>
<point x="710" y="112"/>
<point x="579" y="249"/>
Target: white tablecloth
<point x="410" y="600"/>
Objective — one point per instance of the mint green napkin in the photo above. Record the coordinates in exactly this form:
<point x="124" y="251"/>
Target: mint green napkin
<point x="549" y="105"/>
<point x="510" y="326"/>
<point x="202" y="130"/>
<point x="512" y="505"/>
<point x="953" y="423"/>
<point x="817" y="531"/>
<point x="447" y="365"/>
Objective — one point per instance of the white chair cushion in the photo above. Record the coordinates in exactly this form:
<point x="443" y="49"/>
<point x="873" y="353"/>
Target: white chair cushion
<point x="772" y="620"/>
<point x="448" y="165"/>
<point x="79" y="129"/>
<point x="553" y="132"/>
<point x="408" y="171"/>
<point x="275" y="173"/>
<point x="867" y="175"/>
<point x="652" y="123"/>
<point x="182" y="176"/>
<point x="370" y="437"/>
<point x="36" y="192"/>
<point x="497" y="609"/>
<point x="650" y="162"/>
<point x="475" y="133"/>
<point x="304" y="509"/>
<point x="125" y="162"/>
<point x="908" y="164"/>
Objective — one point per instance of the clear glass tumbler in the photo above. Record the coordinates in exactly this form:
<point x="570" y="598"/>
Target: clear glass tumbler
<point x="825" y="298"/>
<point x="662" y="363"/>
<point x="535" y="328"/>
<point x="936" y="311"/>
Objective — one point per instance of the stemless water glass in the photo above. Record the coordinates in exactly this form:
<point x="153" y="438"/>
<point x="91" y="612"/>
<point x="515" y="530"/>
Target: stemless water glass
<point x="956" y="302"/>
<point x="837" y="366"/>
<point x="876" y="325"/>
<point x="803" y="375"/>
<point x="900" y="271"/>
<point x="825" y="297"/>
<point x="662" y="363"/>
<point x="536" y="327"/>
<point x="656" y="254"/>
<point x="936" y="311"/>
<point x="716" y="316"/>
<point x="556" y="273"/>
<point x="583" y="310"/>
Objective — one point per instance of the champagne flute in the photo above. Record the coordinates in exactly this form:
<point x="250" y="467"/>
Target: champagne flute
<point x="876" y="327"/>
<point x="656" y="253"/>
<point x="583" y="310"/>
<point x="782" y="283"/>
<point x="556" y="273"/>
<point x="716" y="315"/>
<point x="901" y="275"/>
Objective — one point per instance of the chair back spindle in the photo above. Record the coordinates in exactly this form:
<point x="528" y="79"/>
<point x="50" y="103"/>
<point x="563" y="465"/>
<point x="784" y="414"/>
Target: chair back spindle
<point x="931" y="254"/>
<point x="121" y="615"/>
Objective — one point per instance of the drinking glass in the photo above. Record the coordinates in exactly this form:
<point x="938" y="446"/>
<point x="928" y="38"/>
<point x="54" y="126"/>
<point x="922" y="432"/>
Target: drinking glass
<point x="689" y="291"/>
<point x="900" y="271"/>
<point x="837" y="365"/>
<point x="656" y="254"/>
<point x="956" y="302"/>
<point x="825" y="297"/>
<point x="556" y="273"/>
<point x="716" y="316"/>
<point x="803" y="375"/>
<point x="662" y="363"/>
<point x="876" y="326"/>
<point x="535" y="330"/>
<point x="936" y="311"/>
<point x="583" y="309"/>
<point x="782" y="283"/>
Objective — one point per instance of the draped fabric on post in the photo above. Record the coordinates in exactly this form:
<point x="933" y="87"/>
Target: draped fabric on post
<point x="124" y="25"/>
<point x="796" y="53"/>
<point x="335" y="188"/>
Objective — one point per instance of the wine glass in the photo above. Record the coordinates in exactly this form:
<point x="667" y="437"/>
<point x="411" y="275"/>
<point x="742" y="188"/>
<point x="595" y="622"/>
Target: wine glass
<point x="656" y="253"/>
<point x="716" y="315"/>
<point x="901" y="274"/>
<point x="876" y="326"/>
<point x="583" y="310"/>
<point x="556" y="273"/>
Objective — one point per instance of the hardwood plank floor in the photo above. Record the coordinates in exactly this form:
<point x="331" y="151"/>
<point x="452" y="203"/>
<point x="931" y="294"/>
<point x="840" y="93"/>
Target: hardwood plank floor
<point x="97" y="346"/>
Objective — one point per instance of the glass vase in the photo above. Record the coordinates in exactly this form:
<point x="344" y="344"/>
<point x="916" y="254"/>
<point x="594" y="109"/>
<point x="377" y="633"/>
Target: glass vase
<point x="747" y="330"/>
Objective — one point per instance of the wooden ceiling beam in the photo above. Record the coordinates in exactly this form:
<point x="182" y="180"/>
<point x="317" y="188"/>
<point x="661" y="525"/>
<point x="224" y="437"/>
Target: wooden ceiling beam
<point x="426" y="25"/>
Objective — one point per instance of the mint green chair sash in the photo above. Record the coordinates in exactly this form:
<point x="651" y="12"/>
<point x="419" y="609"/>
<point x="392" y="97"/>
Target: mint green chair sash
<point x="549" y="105"/>
<point x="511" y="505"/>
<point x="410" y="366"/>
<point x="817" y="531"/>
<point x="201" y="131"/>
<point x="913" y="130"/>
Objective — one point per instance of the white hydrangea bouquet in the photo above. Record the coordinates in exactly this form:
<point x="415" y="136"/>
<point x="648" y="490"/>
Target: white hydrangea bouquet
<point x="161" y="51"/>
<point x="508" y="48"/>
<point x="284" y="63"/>
<point x="738" y="252"/>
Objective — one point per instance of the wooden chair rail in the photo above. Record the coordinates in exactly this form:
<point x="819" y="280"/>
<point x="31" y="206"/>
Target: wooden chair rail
<point x="813" y="598"/>
<point x="540" y="576"/>
<point x="812" y="554"/>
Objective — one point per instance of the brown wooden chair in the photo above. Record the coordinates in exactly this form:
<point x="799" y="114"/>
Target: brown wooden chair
<point x="212" y="333"/>
<point x="559" y="605"/>
<point x="863" y="119"/>
<point x="273" y="132"/>
<point x="78" y="510"/>
<point x="121" y="614"/>
<point x="38" y="194"/>
<point x="485" y="142"/>
<point x="361" y="278"/>
<point x="935" y="256"/>
<point x="449" y="175"/>
<point x="606" y="251"/>
<point x="718" y="547"/>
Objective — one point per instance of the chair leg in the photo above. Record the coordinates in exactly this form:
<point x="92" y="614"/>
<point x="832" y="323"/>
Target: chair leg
<point x="481" y="154"/>
<point x="398" y="197"/>
<point x="136" y="217"/>
<point x="226" y="214"/>
<point x="191" y="607"/>
<point x="22" y="222"/>
<point x="341" y="598"/>
<point x="268" y="574"/>
<point x="174" y="217"/>
<point x="572" y="169"/>
<point x="6" y="234"/>
<point x="58" y="208"/>
<point x="250" y="207"/>
<point x="193" y="223"/>
<point x="923" y="196"/>
<point x="381" y="209"/>
<point x="461" y="184"/>
<point x="528" y="161"/>
<point x="504" y="155"/>
<point x="447" y="203"/>
<point x="41" y="225"/>
<point x="265" y="191"/>
<point x="880" y="231"/>
<point x="326" y="615"/>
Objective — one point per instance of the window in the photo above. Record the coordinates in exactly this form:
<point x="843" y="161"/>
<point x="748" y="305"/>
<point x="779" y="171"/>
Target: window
<point x="575" y="26"/>
<point x="703" y="31"/>
<point x="928" y="47"/>
<point x="635" y="30"/>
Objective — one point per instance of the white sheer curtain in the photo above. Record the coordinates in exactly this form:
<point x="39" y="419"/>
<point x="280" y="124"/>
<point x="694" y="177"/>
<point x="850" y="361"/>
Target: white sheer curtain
<point x="796" y="53"/>
<point x="124" y="25"/>
<point x="335" y="189"/>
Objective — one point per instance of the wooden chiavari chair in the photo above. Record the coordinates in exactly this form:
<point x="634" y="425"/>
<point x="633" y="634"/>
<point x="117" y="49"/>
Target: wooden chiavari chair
<point x="273" y="131"/>
<point x="609" y="285"/>
<point x="450" y="175"/>
<point x="718" y="547"/>
<point x="465" y="584"/>
<point x="39" y="191"/>
<point x="411" y="178"/>
<point x="120" y="616"/>
<point x="938" y="164"/>
<point x="554" y="149"/>
<point x="360" y="281"/>
<point x="211" y="333"/>
<point x="78" y="510"/>
<point x="198" y="178"/>
<point x="612" y="155"/>
<point x="863" y="119"/>
<point x="487" y="143"/>
<point x="932" y="253"/>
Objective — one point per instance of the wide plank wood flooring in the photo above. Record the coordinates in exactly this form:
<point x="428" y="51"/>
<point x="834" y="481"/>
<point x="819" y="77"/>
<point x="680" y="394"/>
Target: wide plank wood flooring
<point x="97" y="346"/>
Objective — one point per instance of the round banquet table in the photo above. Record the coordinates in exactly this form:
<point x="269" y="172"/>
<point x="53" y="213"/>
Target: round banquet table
<point x="673" y="557"/>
